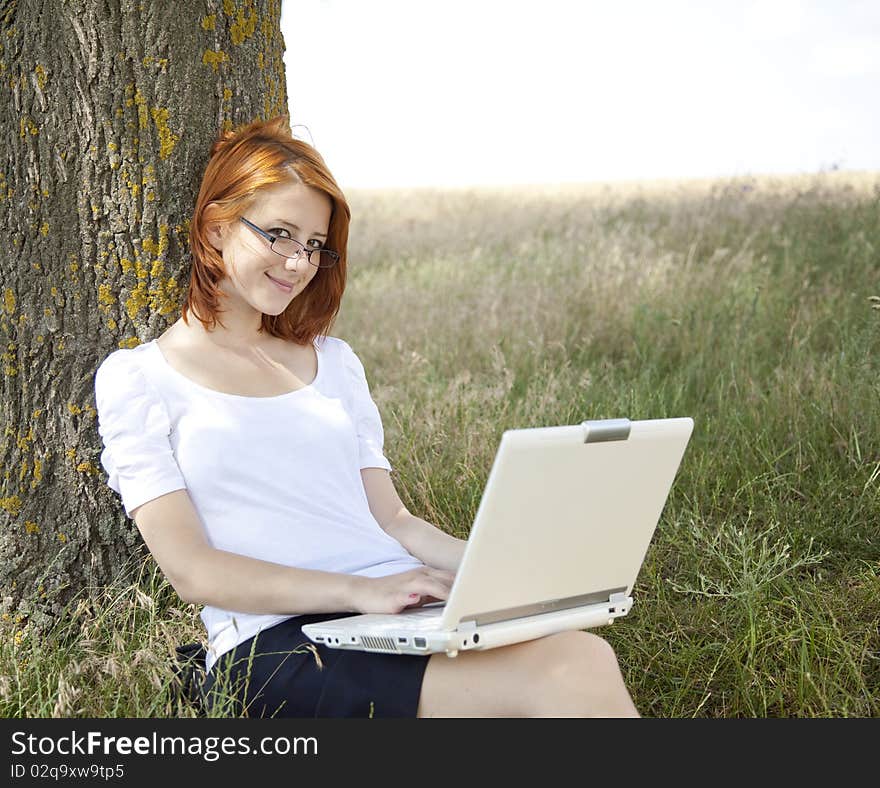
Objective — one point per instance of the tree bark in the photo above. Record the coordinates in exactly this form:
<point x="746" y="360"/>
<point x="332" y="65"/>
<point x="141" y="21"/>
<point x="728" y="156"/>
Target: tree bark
<point x="107" y="113"/>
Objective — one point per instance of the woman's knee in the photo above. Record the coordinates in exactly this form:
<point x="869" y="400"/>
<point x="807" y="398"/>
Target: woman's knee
<point x="582" y="677"/>
<point x="575" y="653"/>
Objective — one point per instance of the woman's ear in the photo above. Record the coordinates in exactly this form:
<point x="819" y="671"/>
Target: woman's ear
<point x="214" y="230"/>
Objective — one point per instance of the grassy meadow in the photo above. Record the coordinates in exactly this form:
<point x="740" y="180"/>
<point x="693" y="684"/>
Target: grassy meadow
<point x="751" y="305"/>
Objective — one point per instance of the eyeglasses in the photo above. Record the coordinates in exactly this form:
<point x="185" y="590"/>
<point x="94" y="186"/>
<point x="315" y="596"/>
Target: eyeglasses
<point x="290" y="247"/>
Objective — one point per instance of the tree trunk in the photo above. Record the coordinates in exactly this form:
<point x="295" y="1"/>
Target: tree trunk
<point x="107" y="113"/>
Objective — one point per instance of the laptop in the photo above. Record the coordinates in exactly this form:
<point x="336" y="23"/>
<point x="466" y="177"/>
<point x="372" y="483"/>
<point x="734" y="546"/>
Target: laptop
<point x="558" y="540"/>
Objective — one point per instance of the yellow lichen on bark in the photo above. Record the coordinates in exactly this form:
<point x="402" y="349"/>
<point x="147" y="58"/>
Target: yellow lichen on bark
<point x="9" y="359"/>
<point x="143" y="120"/>
<point x="149" y="178"/>
<point x="105" y="298"/>
<point x="12" y="504"/>
<point x="26" y="125"/>
<point x="214" y="58"/>
<point x="167" y="139"/>
<point x="137" y="300"/>
<point x="140" y="271"/>
<point x="23" y="442"/>
<point x="243" y="27"/>
<point x="165" y="297"/>
<point x="159" y="249"/>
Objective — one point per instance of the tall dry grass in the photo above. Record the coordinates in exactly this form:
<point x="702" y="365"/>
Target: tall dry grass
<point x="745" y="304"/>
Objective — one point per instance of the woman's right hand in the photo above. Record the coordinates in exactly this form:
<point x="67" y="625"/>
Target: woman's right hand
<point x="394" y="593"/>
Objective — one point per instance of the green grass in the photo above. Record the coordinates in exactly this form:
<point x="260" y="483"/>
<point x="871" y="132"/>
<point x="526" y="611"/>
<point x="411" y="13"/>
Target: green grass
<point x="745" y="304"/>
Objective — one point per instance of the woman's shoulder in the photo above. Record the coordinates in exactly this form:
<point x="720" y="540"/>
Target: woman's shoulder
<point x="124" y="360"/>
<point x="123" y="391"/>
<point x="338" y="347"/>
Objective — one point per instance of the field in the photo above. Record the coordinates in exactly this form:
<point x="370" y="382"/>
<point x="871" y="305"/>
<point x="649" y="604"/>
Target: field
<point x="751" y="305"/>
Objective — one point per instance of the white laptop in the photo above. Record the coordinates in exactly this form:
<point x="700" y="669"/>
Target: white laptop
<point x="559" y="537"/>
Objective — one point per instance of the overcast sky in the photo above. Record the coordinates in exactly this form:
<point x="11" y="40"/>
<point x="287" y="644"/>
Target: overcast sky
<point x="461" y="92"/>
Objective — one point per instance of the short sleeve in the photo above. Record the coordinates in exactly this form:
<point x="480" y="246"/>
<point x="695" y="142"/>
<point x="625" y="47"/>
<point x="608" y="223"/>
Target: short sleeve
<point x="134" y="427"/>
<point x="365" y="414"/>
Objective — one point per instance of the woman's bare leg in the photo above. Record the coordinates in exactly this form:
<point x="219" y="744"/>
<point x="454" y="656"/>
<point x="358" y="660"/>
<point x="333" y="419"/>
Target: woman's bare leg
<point x="569" y="674"/>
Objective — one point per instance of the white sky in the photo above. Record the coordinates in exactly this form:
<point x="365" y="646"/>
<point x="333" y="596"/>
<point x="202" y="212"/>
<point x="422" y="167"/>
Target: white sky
<point x="462" y="92"/>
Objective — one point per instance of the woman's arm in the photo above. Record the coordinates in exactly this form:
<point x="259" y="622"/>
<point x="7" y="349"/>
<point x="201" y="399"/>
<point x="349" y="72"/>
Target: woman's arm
<point x="426" y="542"/>
<point x="201" y="574"/>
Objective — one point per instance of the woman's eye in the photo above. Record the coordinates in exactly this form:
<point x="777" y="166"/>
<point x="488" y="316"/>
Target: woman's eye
<point x="276" y="230"/>
<point x="315" y="243"/>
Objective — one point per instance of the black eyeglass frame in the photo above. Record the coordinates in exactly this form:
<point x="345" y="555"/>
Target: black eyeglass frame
<point x="333" y="256"/>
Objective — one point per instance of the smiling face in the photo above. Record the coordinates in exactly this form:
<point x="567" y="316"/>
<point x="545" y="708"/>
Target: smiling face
<point x="287" y="210"/>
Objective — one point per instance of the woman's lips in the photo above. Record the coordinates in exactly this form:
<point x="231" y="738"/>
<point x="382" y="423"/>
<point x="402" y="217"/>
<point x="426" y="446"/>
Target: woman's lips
<point x="281" y="285"/>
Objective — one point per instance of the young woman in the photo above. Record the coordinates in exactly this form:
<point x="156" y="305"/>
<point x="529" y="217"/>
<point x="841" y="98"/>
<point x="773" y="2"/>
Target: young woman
<point x="244" y="443"/>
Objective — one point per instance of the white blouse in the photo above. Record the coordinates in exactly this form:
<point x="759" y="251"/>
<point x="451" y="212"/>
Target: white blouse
<point x="274" y="478"/>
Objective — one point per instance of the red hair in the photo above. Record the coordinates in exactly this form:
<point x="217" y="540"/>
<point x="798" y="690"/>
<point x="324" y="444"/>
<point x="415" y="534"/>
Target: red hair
<point x="243" y="161"/>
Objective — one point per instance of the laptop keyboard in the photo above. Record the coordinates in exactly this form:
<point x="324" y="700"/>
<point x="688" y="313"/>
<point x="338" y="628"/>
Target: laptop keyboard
<point x="420" y="615"/>
<point x="423" y="612"/>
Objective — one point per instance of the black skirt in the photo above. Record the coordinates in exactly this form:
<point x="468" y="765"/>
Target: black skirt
<point x="280" y="673"/>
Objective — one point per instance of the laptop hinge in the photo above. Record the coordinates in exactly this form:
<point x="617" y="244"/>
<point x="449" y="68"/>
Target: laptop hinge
<point x="606" y="430"/>
<point x="548" y="606"/>
<point x="617" y="598"/>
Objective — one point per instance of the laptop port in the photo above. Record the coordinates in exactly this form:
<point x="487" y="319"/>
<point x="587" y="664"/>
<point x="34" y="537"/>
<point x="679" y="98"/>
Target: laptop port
<point x="402" y="640"/>
<point x="420" y="643"/>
